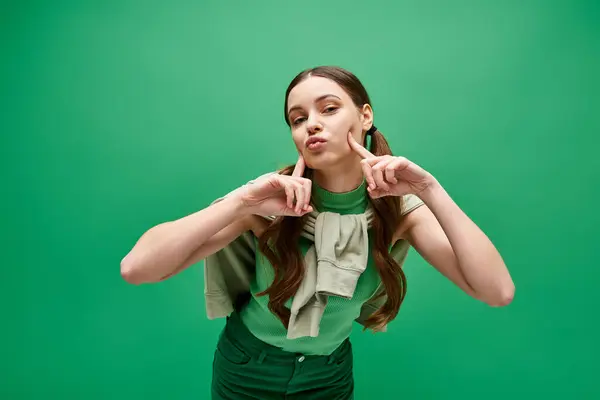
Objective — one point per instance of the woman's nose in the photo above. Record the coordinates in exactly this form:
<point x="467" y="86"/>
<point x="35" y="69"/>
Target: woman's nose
<point x="313" y="125"/>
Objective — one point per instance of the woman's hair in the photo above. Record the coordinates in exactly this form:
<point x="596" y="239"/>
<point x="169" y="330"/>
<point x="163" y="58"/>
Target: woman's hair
<point x="279" y="242"/>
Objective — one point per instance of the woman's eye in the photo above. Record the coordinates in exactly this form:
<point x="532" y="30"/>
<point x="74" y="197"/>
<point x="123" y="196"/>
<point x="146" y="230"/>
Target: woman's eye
<point x="330" y="109"/>
<point x="297" y="120"/>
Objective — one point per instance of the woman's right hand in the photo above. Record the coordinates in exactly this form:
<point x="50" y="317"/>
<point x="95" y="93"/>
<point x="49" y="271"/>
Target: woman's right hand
<point x="279" y="195"/>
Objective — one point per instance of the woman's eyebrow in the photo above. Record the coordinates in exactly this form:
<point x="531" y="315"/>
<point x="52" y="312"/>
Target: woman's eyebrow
<point x="316" y="101"/>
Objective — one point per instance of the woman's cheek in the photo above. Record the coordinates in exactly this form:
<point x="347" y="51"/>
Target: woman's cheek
<point x="298" y="142"/>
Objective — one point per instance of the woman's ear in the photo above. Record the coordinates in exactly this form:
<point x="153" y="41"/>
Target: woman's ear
<point x="366" y="116"/>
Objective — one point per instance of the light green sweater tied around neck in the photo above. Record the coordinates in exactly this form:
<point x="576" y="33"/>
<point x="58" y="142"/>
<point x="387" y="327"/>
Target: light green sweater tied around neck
<point x="337" y="255"/>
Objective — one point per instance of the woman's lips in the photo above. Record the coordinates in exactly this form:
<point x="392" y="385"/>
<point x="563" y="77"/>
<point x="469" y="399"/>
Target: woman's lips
<point x="315" y="143"/>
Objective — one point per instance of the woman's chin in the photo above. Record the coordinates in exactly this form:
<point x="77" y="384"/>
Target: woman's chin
<point x="320" y="160"/>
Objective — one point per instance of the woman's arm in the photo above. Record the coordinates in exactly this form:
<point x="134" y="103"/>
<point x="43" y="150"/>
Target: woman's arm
<point x="453" y="244"/>
<point x="168" y="248"/>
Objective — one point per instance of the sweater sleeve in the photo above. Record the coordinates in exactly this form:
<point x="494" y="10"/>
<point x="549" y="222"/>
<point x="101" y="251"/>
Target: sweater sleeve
<point x="410" y="202"/>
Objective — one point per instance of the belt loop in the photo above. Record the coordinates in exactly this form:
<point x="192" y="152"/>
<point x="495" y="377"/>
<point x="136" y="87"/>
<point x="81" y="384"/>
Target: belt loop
<point x="261" y="356"/>
<point x="331" y="359"/>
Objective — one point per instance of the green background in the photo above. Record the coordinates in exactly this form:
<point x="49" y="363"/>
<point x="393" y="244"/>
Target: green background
<point x="118" y="115"/>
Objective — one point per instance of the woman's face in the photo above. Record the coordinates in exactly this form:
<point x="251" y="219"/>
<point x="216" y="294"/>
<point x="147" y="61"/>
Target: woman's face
<point x="321" y="114"/>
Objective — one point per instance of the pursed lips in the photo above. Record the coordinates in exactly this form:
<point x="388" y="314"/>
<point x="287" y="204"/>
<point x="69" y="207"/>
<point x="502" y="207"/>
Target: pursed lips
<point x="314" y="140"/>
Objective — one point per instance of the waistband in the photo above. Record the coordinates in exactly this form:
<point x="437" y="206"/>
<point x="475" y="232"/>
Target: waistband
<point x="237" y="332"/>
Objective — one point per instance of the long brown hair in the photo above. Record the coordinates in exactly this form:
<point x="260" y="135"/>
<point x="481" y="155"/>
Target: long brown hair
<point x="279" y="242"/>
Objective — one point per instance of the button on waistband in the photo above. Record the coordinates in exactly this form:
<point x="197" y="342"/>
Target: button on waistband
<point x="301" y="359"/>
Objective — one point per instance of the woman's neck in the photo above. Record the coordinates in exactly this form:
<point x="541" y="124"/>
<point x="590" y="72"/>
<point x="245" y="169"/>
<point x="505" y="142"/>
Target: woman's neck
<point x="339" y="179"/>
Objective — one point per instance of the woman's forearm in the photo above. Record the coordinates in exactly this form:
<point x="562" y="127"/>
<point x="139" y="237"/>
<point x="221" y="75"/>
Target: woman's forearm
<point x="478" y="259"/>
<point x="164" y="247"/>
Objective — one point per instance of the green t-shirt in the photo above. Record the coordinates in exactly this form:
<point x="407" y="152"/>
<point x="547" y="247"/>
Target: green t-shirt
<point x="339" y="314"/>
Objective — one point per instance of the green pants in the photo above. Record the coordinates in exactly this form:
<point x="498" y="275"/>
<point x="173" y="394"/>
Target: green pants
<point x="245" y="367"/>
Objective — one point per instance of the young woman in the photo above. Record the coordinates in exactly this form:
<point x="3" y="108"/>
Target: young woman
<point x="331" y="121"/>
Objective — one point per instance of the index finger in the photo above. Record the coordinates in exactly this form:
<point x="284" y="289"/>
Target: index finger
<point x="299" y="168"/>
<point x="362" y="151"/>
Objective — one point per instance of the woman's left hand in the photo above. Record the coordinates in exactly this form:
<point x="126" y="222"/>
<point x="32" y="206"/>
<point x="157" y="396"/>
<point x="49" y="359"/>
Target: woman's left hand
<point x="389" y="175"/>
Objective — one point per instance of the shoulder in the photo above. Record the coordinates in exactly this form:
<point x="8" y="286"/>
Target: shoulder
<point x="409" y="204"/>
<point x="256" y="224"/>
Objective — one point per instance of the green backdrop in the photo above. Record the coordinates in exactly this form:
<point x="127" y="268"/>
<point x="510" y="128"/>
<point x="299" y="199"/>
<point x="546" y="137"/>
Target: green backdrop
<point x="118" y="115"/>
